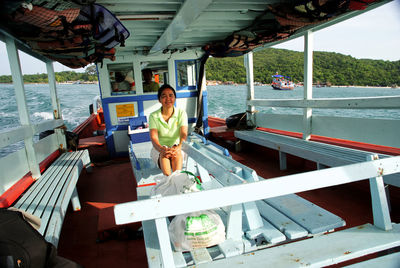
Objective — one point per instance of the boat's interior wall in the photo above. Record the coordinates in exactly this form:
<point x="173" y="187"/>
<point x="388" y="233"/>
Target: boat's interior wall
<point x="15" y="165"/>
<point x="119" y="106"/>
<point x="121" y="141"/>
<point x="45" y="147"/>
<point x="375" y="131"/>
<point x="288" y="122"/>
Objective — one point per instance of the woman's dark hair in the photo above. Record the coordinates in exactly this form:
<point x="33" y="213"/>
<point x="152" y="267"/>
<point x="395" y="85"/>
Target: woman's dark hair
<point x="164" y="87"/>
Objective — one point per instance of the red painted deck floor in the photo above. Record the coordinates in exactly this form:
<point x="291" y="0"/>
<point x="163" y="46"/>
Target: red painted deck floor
<point x="112" y="182"/>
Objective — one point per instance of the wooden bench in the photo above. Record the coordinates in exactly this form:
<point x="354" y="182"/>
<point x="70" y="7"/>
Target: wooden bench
<point x="325" y="155"/>
<point x="49" y="196"/>
<point x="249" y="226"/>
<point x="245" y="233"/>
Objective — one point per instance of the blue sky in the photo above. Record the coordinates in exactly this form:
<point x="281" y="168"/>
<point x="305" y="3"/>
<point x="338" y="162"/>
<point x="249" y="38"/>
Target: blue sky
<point x="373" y="35"/>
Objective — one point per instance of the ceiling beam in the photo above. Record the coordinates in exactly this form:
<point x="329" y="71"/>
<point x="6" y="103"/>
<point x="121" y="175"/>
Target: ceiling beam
<point x="189" y="12"/>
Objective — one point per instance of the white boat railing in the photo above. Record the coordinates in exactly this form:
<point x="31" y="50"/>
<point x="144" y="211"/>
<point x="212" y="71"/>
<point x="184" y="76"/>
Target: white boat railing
<point x="389" y="102"/>
<point x="15" y="165"/>
<point x="17" y="134"/>
<point x="367" y="130"/>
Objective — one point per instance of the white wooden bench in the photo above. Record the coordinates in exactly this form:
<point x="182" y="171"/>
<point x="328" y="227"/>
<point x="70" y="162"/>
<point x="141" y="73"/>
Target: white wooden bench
<point x="250" y="226"/>
<point x="49" y="196"/>
<point x="325" y="155"/>
<point x="253" y="229"/>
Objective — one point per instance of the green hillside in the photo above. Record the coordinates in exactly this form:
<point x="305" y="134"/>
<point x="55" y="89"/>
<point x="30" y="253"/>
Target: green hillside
<point x="88" y="75"/>
<point x="329" y="67"/>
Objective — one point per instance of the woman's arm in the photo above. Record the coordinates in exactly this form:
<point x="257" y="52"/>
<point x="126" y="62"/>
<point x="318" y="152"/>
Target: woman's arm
<point x="183" y="136"/>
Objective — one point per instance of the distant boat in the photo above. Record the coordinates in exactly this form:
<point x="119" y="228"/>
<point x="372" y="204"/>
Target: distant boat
<point x="281" y="82"/>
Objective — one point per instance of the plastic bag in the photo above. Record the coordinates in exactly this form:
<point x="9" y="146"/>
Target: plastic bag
<point x="179" y="182"/>
<point x="199" y="229"/>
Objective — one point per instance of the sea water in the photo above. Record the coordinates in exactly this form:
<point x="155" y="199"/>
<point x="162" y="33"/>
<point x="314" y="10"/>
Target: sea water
<point x="74" y="100"/>
<point x="223" y="101"/>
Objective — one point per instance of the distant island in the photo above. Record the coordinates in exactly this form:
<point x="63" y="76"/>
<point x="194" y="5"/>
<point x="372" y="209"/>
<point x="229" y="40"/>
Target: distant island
<point x="65" y="77"/>
<point x="330" y="69"/>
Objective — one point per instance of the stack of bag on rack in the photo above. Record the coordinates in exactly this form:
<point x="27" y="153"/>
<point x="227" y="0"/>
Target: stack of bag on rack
<point x="74" y="33"/>
<point x="279" y="21"/>
<point x="198" y="229"/>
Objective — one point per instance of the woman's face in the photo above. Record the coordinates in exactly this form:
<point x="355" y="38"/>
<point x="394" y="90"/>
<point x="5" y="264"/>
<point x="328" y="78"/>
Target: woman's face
<point x="167" y="98"/>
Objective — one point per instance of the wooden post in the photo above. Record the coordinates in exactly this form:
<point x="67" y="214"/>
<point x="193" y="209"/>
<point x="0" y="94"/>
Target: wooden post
<point x="308" y="81"/>
<point x="248" y="63"/>
<point x="24" y="118"/>
<point x="380" y="208"/>
<point x="55" y="103"/>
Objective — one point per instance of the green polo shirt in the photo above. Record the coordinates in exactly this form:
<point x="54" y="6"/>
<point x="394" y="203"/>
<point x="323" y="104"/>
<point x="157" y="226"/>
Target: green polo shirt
<point x="168" y="133"/>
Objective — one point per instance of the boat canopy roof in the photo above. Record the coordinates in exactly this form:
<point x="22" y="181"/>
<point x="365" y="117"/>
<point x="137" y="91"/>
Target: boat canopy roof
<point x="77" y="35"/>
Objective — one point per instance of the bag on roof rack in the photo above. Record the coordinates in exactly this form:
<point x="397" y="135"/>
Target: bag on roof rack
<point x="74" y="36"/>
<point x="109" y="31"/>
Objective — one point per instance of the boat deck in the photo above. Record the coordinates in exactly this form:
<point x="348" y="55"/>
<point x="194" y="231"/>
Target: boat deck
<point x="112" y="182"/>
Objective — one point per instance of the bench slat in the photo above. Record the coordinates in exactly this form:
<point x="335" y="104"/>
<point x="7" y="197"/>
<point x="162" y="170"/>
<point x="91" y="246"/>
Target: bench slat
<point x="308" y="215"/>
<point x="200" y="255"/>
<point x="284" y="224"/>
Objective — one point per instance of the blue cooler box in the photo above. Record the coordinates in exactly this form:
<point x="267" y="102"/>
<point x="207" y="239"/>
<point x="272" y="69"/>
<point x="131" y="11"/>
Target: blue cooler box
<point x="138" y="135"/>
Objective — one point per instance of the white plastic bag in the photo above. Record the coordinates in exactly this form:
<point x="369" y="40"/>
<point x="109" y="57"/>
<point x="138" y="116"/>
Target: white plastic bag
<point x="179" y="182"/>
<point x="199" y="229"/>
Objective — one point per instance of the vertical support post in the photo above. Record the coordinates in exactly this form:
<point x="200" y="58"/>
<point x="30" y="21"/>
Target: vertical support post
<point x="282" y="161"/>
<point x="165" y="243"/>
<point x="206" y="127"/>
<point x="380" y="208"/>
<point x="233" y="245"/>
<point x="234" y="226"/>
<point x="137" y="73"/>
<point x="253" y="216"/>
<point x="248" y="63"/>
<point x="75" y="203"/>
<point x="190" y="76"/>
<point x="19" y="88"/>
<point x="308" y="81"/>
<point x="55" y="103"/>
<point x="171" y="73"/>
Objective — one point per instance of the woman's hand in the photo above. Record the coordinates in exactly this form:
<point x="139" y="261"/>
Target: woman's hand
<point x="175" y="150"/>
<point x="165" y="152"/>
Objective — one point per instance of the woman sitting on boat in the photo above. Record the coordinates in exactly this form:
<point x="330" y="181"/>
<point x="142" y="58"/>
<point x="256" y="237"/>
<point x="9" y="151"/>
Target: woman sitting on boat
<point x="168" y="129"/>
